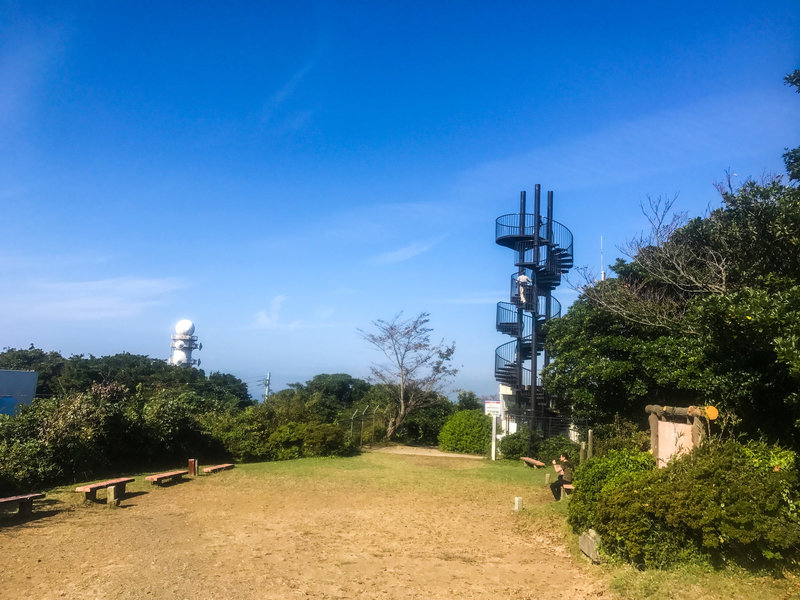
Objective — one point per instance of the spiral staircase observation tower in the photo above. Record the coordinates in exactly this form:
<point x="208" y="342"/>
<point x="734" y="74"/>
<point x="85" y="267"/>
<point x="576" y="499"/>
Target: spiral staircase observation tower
<point x="542" y="254"/>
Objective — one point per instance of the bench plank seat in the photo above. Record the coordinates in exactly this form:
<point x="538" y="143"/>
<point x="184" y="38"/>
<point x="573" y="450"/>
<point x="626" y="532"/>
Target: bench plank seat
<point x="25" y="502"/>
<point x="90" y="490"/>
<point x="169" y="476"/>
<point x="217" y="468"/>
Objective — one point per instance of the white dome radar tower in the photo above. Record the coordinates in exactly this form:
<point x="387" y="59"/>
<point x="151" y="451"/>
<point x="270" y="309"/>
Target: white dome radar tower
<point x="183" y="342"/>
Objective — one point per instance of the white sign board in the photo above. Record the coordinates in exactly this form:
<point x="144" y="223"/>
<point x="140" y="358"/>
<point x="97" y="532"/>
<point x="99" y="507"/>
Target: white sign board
<point x="491" y="407"/>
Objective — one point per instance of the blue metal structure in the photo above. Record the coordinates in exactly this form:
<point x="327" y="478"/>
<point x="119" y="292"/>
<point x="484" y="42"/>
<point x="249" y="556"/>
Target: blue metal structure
<point x="542" y="254"/>
<point x="16" y="388"/>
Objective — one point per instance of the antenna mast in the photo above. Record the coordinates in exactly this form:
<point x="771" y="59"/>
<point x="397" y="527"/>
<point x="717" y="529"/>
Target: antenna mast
<point x="267" y="389"/>
<point x="602" y="262"/>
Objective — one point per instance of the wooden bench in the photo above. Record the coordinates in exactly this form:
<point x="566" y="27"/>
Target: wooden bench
<point x="164" y="477"/>
<point x="90" y="490"/>
<point x="217" y="468"/>
<point x="24" y="502"/>
<point x="566" y="490"/>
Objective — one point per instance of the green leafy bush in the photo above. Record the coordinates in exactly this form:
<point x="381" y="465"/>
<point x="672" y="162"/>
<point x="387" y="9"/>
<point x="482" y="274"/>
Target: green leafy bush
<point x="467" y="431"/>
<point x="323" y="439"/>
<point x="723" y="503"/>
<point x="632" y="532"/>
<point x="602" y="474"/>
<point x="550" y="449"/>
<point x="243" y="435"/>
<point x="298" y="440"/>
<point x="620" y="435"/>
<point x="517" y="444"/>
<point x="423" y="426"/>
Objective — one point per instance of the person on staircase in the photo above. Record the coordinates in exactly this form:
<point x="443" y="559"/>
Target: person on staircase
<point x="522" y="282"/>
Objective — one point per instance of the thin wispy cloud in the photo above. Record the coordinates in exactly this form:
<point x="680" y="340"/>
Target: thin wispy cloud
<point x="704" y="132"/>
<point x="275" y="110"/>
<point x="288" y="89"/>
<point x="25" y="261"/>
<point x="405" y="253"/>
<point x="270" y="318"/>
<point x="119" y="297"/>
<point x="273" y="318"/>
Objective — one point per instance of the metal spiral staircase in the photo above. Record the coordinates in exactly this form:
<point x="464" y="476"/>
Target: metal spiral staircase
<point x="542" y="254"/>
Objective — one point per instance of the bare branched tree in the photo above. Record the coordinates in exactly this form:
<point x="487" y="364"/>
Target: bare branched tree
<point x="686" y="268"/>
<point x="416" y="368"/>
<point x="666" y="270"/>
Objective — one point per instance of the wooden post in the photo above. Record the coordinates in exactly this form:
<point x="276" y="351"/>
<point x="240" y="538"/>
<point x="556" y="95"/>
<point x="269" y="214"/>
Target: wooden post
<point x="192" y="468"/>
<point x="517" y="503"/>
<point x="653" y="419"/>
<point x="590" y="447"/>
<point x="583" y="453"/>
<point x="547" y="478"/>
<point x="697" y="431"/>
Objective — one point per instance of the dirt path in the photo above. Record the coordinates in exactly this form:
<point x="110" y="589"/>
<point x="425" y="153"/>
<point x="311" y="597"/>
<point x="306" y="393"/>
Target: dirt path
<point x="369" y="532"/>
<point x="422" y="451"/>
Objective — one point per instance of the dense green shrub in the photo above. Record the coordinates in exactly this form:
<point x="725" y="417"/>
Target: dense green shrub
<point x="620" y="435"/>
<point x="244" y="435"/>
<point x="631" y="531"/>
<point x="550" y="449"/>
<point x="56" y="439"/>
<point x="517" y="444"/>
<point x="725" y="502"/>
<point x="467" y="431"/>
<point x="602" y="474"/>
<point x="423" y="426"/>
<point x="298" y="440"/>
<point x="172" y="418"/>
<point x="324" y="439"/>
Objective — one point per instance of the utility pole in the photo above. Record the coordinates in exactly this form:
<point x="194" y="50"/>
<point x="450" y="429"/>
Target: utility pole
<point x="267" y="390"/>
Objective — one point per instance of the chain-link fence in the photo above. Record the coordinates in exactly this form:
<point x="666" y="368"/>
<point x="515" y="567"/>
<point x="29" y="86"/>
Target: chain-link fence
<point x="368" y="425"/>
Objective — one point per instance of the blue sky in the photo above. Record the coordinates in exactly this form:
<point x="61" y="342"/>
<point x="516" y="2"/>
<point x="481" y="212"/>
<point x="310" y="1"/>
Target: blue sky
<point x="285" y="173"/>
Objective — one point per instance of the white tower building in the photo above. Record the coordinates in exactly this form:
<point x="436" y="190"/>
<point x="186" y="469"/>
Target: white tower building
<point x="183" y="342"/>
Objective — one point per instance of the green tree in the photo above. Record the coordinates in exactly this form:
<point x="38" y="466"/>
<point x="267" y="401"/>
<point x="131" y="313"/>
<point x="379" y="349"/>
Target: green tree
<point x="423" y="425"/>
<point x="48" y="365"/>
<point x="468" y="400"/>
<point x="416" y="366"/>
<point x="705" y="311"/>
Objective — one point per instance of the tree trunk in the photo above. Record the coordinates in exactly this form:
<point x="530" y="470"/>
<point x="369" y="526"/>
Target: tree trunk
<point x="394" y="423"/>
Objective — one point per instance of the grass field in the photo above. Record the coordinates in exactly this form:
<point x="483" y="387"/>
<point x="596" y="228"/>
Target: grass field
<point x="377" y="525"/>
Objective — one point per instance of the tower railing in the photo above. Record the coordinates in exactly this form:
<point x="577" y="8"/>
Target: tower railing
<point x="508" y="321"/>
<point x="506" y="368"/>
<point x="507" y="232"/>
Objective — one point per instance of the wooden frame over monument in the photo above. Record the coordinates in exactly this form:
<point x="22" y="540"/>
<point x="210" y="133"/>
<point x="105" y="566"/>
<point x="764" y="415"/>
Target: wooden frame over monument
<point x="675" y="430"/>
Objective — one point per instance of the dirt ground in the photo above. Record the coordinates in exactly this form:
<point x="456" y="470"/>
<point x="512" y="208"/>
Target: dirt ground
<point x="244" y="534"/>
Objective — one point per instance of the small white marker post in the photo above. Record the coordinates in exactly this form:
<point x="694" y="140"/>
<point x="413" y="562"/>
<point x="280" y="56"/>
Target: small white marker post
<point x="517" y="503"/>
